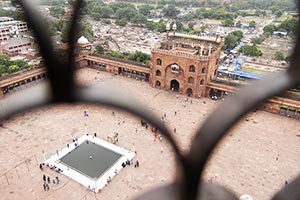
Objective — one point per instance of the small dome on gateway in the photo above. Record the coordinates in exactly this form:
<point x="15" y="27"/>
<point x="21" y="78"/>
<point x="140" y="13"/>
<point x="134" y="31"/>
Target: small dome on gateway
<point x="82" y="40"/>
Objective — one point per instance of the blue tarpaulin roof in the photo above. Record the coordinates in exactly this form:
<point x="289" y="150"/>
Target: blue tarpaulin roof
<point x="243" y="74"/>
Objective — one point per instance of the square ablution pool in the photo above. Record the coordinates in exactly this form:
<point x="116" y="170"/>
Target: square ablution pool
<point x="92" y="162"/>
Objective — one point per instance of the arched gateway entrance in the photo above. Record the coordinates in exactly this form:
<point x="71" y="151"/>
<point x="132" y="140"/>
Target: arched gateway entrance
<point x="189" y="92"/>
<point x="174" y="86"/>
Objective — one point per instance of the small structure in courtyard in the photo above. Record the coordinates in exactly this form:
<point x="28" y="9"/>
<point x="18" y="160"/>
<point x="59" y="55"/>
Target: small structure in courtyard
<point x="90" y="161"/>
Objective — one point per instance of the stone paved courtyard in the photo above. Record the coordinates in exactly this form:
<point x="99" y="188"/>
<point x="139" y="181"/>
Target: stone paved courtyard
<point x="256" y="157"/>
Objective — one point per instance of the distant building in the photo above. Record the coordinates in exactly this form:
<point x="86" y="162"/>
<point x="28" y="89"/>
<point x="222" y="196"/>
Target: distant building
<point x="4" y="33"/>
<point x="185" y="63"/>
<point x="14" y="26"/>
<point x="18" y="45"/>
<point x="6" y="19"/>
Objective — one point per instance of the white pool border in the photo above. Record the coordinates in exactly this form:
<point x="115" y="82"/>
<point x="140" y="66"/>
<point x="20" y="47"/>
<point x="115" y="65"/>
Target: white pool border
<point x="88" y="182"/>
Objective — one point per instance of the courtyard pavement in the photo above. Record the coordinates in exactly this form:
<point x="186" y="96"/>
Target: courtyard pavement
<point x="256" y="157"/>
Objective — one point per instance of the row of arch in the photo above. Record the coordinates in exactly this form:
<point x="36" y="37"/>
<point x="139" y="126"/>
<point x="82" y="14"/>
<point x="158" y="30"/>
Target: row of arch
<point x="190" y="79"/>
<point x="158" y="72"/>
<point x="7" y="89"/>
<point x="174" y="86"/>
<point x="192" y="68"/>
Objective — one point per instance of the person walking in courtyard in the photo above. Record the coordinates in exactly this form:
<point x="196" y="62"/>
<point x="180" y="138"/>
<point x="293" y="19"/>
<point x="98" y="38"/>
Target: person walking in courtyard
<point x="44" y="178"/>
<point x="48" y="179"/>
<point x="85" y="113"/>
<point x="44" y="186"/>
<point x="57" y="180"/>
<point x="41" y="167"/>
<point x="174" y="130"/>
<point x="47" y="186"/>
<point x="137" y="164"/>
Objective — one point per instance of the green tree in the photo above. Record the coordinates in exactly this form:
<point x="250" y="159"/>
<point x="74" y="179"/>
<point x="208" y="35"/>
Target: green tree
<point x="279" y="56"/>
<point x="145" y="10"/>
<point x="126" y="13"/>
<point x="8" y="66"/>
<point x="191" y="25"/>
<point x="106" y="21"/>
<point x="250" y="51"/>
<point x="3" y="70"/>
<point x="55" y="26"/>
<point x="20" y="63"/>
<point x="238" y="24"/>
<point x="150" y="25"/>
<point x="232" y="39"/>
<point x="278" y="13"/>
<point x="227" y="22"/>
<point x="257" y="40"/>
<point x="138" y="19"/>
<point x="121" y="22"/>
<point x="170" y="11"/>
<point x="115" y="54"/>
<point x="161" y="27"/>
<point x="13" y="68"/>
<point x="238" y="34"/>
<point x="99" y="49"/>
<point x="4" y="60"/>
<point x="106" y="12"/>
<point x="289" y="25"/>
<point x="84" y="29"/>
<point x="139" y="56"/>
<point x="269" y="29"/>
<point x="57" y="11"/>
<point x="252" y="24"/>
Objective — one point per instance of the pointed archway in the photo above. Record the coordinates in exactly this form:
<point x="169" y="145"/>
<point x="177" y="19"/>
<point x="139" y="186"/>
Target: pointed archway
<point x="157" y="84"/>
<point x="189" y="92"/>
<point x="174" y="86"/>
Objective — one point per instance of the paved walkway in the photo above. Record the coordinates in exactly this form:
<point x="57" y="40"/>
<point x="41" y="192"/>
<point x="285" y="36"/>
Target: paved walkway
<point x="257" y="157"/>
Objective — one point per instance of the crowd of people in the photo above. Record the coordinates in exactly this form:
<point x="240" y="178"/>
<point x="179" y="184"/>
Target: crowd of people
<point x="47" y="182"/>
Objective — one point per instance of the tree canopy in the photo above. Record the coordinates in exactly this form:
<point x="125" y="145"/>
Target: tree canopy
<point x="170" y="11"/>
<point x="250" y="51"/>
<point x="84" y="29"/>
<point x="8" y="66"/>
<point x="232" y="39"/>
<point x="288" y="25"/>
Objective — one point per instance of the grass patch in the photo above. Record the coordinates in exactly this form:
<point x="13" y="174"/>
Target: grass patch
<point x="254" y="71"/>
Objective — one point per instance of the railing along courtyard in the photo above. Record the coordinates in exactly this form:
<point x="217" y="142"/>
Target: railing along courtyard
<point x="189" y="183"/>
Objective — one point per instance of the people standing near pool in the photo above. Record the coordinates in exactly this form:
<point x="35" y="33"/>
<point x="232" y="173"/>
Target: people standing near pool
<point x="137" y="164"/>
<point x="47" y="186"/>
<point x="44" y="186"/>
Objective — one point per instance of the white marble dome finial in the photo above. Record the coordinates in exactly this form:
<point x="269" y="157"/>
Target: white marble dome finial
<point x="82" y="40"/>
<point x="245" y="197"/>
<point x="168" y="26"/>
<point x="174" y="26"/>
